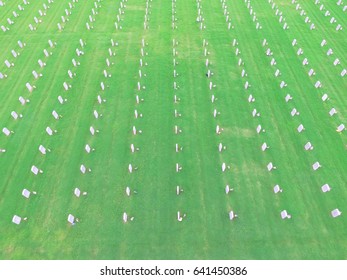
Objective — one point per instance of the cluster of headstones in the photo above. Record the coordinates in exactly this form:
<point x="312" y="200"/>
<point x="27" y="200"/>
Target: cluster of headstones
<point x="137" y="115"/>
<point x="294" y="112"/>
<point x="147" y="13"/>
<point x="42" y="149"/>
<point x="67" y="13"/>
<point x="138" y="101"/>
<point x="34" y="169"/>
<point x="15" y="14"/>
<point x="318" y="84"/>
<point x="328" y="14"/>
<point x="324" y="42"/>
<point x="106" y="74"/>
<point x="15" y="53"/>
<point x="93" y="131"/>
<point x="279" y="14"/>
<point x="42" y="63"/>
<point x="209" y="74"/>
<point x="200" y="19"/>
<point x="121" y="11"/>
<point x="30" y="87"/>
<point x="226" y="14"/>
<point x="253" y="14"/>
<point x="288" y="99"/>
<point x="177" y="99"/>
<point x="50" y="132"/>
<point x="92" y="15"/>
<point x="303" y="14"/>
<point x="177" y="115"/>
<point x="38" y="20"/>
<point x="173" y="15"/>
<point x="103" y="84"/>
<point x="305" y="61"/>
<point x="336" y="61"/>
<point x="255" y="112"/>
<point x="140" y="88"/>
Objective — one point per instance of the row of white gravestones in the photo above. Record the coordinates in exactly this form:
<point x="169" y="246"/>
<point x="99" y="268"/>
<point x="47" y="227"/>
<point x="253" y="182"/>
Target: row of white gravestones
<point x="326" y="188"/>
<point x="277" y="189"/>
<point x="34" y="169"/>
<point x="279" y="14"/>
<point x="304" y="14"/>
<point x="318" y="84"/>
<point x="177" y="129"/>
<point x="30" y="87"/>
<point x="92" y="15"/>
<point x="252" y="13"/>
<point x="97" y="115"/>
<point x="251" y="99"/>
<point x="57" y="116"/>
<point x="173" y="16"/>
<point x="178" y="148"/>
<point x="135" y="131"/>
<point x="121" y="11"/>
<point x="224" y="167"/>
<point x="221" y="147"/>
<point x="15" y="53"/>
<point x="67" y="13"/>
<point x="327" y="14"/>
<point x="106" y="73"/>
<point x="42" y="13"/>
<point x="15" y="14"/>
<point x="200" y="19"/>
<point x="146" y="17"/>
<point x="336" y="60"/>
<point x="295" y="112"/>
<point x="71" y="73"/>
<point x="227" y="15"/>
<point x="315" y="166"/>
<point x="100" y="100"/>
<point x="308" y="146"/>
<point x="82" y="168"/>
<point x="259" y="128"/>
<point x="24" y="101"/>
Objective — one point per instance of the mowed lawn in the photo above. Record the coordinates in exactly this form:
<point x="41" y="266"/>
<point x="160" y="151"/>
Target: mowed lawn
<point x="206" y="232"/>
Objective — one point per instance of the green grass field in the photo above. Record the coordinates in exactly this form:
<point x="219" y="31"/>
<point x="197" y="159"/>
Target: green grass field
<point x="206" y="232"/>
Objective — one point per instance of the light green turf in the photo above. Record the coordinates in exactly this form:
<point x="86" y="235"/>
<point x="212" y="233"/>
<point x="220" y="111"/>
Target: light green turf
<point x="206" y="233"/>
